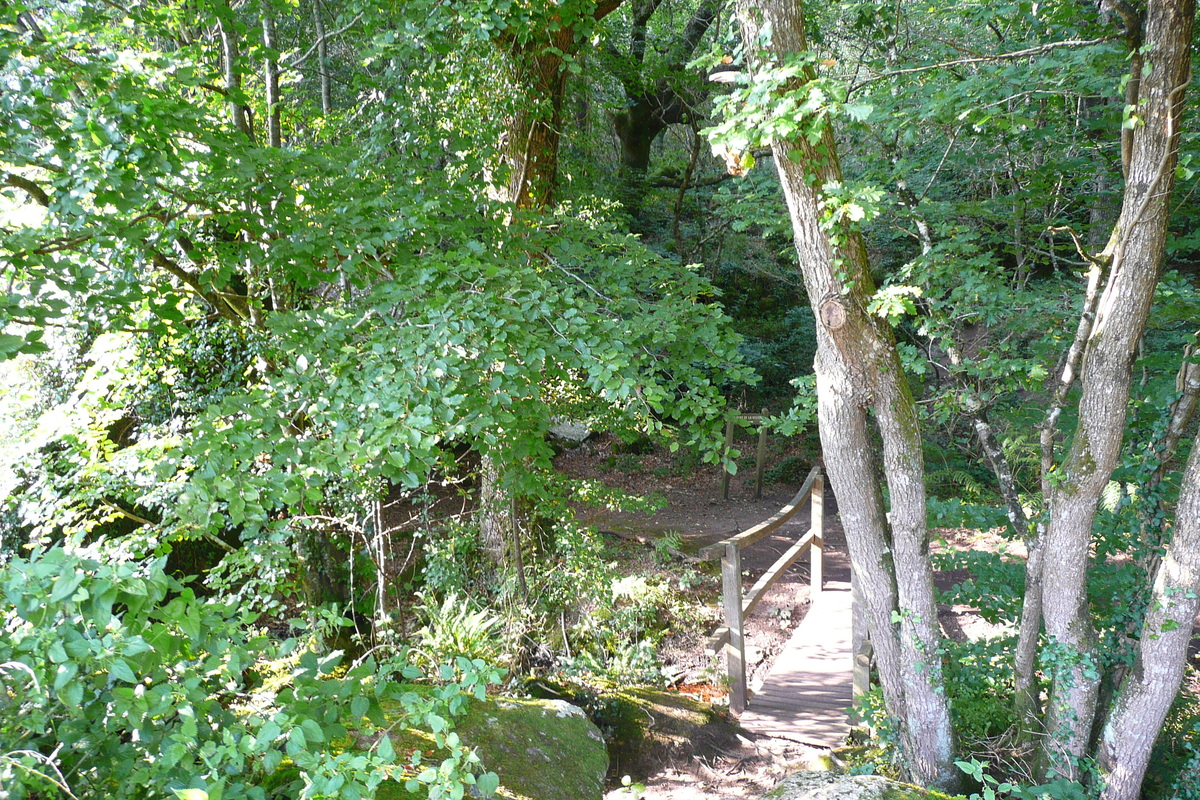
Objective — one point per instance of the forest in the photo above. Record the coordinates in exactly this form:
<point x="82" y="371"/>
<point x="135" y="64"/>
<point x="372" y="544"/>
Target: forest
<point x="298" y="293"/>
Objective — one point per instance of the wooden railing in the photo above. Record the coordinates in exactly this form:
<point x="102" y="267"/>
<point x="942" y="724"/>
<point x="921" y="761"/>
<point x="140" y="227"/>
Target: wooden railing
<point x="731" y="636"/>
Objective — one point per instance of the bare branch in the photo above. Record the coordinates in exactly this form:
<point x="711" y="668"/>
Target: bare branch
<point x="292" y="63"/>
<point x="1029" y="51"/>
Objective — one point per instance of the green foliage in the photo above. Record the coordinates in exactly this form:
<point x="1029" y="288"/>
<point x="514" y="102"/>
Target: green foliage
<point x="979" y="683"/>
<point x="458" y="627"/>
<point x="778" y="102"/>
<point x="666" y="545"/>
<point x="123" y="683"/>
<point x="452" y="558"/>
<point x="996" y="585"/>
<point x="631" y="789"/>
<point x="790" y="470"/>
<point x="994" y="789"/>
<point x="882" y="755"/>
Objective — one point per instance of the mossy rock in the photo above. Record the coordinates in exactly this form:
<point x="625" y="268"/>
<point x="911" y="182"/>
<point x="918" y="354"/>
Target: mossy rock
<point x="540" y="749"/>
<point x="649" y="729"/>
<point x="835" y="786"/>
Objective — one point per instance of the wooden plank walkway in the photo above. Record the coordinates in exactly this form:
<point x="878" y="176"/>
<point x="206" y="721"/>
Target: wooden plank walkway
<point x="809" y="688"/>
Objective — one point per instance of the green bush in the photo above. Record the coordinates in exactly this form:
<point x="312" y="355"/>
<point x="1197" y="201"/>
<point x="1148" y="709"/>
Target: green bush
<point x="979" y="683"/>
<point x="119" y="683"/>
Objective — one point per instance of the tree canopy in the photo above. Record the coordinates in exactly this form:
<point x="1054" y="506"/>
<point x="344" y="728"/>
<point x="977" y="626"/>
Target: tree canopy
<point x="271" y="266"/>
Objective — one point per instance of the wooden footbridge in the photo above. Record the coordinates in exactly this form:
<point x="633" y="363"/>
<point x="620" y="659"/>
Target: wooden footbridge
<point x="812" y="682"/>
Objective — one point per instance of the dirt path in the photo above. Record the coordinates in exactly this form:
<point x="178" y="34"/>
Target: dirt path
<point x="695" y="510"/>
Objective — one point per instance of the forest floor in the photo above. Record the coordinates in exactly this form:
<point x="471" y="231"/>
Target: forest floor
<point x="697" y="514"/>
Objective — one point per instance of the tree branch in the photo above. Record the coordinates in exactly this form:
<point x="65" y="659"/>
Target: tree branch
<point x="232" y="307"/>
<point x="1067" y="372"/>
<point x="29" y="187"/>
<point x="697" y="26"/>
<point x="292" y="63"/>
<point x="1029" y="51"/>
<point x="605" y="7"/>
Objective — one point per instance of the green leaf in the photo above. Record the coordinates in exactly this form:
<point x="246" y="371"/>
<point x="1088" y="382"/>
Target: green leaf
<point x="312" y="731"/>
<point x="121" y="671"/>
<point x="296" y="743"/>
<point x="266" y="735"/>
<point x="385" y="750"/>
<point x="488" y="783"/>
<point x="858" y="111"/>
<point x="65" y="586"/>
<point x="190" y="794"/>
<point x="64" y="675"/>
<point x="72" y="694"/>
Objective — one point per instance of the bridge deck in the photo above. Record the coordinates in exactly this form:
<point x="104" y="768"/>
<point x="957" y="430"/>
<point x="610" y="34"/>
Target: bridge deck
<point x="809" y="688"/>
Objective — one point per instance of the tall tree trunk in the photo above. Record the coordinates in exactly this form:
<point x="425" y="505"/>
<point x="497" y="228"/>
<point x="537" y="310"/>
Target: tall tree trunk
<point x="858" y="369"/>
<point x="271" y="77"/>
<point x="322" y="59"/>
<point x="637" y="127"/>
<point x="233" y="72"/>
<point x="1136" y="249"/>
<point x="534" y="132"/>
<point x="1145" y="697"/>
<point x="539" y="70"/>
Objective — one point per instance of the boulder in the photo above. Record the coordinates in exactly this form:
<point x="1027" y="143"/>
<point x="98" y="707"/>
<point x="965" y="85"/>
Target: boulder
<point x="649" y="730"/>
<point x="540" y="749"/>
<point x="838" y="786"/>
<point x="573" y="433"/>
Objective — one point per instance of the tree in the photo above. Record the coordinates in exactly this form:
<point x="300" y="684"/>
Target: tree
<point x="788" y="104"/>
<point x="373" y="286"/>
<point x="539" y="44"/>
<point x="858" y="371"/>
<point x="1136" y="251"/>
<point x="656" y="94"/>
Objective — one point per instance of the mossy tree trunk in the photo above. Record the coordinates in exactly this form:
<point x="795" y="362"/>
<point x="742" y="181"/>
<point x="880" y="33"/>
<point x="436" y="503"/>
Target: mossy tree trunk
<point x="1136" y="253"/>
<point x="538" y="63"/>
<point x="860" y="379"/>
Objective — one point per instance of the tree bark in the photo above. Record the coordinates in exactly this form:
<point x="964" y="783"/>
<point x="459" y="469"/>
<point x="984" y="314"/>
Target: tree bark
<point x="858" y="370"/>
<point x="233" y="73"/>
<point x="271" y="77"/>
<point x="1145" y="697"/>
<point x="531" y="151"/>
<point x="322" y="60"/>
<point x="651" y="108"/>
<point x="538" y="63"/>
<point x="1137" y="247"/>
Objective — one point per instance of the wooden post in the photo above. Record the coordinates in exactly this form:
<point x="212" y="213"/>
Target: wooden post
<point x="859" y="631"/>
<point x="728" y="447"/>
<point x="762" y="455"/>
<point x="817" y="553"/>
<point x="862" y="668"/>
<point x="735" y="651"/>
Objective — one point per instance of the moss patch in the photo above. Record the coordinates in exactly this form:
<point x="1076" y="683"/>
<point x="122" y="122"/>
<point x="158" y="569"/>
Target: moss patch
<point x="541" y="749"/>
<point x="649" y="729"/>
<point x="832" y="786"/>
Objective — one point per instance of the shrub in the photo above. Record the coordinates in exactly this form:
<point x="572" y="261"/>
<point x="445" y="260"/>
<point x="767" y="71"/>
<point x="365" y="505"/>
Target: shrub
<point x="120" y="683"/>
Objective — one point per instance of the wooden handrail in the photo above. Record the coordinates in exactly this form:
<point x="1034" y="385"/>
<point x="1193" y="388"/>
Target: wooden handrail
<point x="763" y="529"/>
<point x="731" y="636"/>
<point x="721" y="636"/>
<point x="760" y="459"/>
